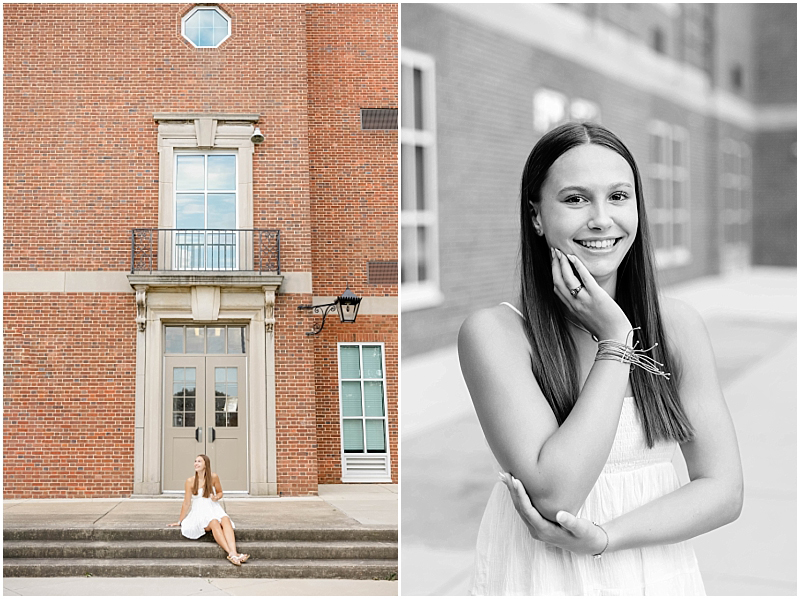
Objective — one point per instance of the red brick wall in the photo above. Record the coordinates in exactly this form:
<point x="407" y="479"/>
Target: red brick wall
<point x="352" y="64"/>
<point x="81" y="85"/>
<point x="295" y="401"/>
<point x="68" y="395"/>
<point x="366" y="329"/>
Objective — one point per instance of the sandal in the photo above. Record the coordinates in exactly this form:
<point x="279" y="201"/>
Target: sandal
<point x="243" y="557"/>
<point x="234" y="559"/>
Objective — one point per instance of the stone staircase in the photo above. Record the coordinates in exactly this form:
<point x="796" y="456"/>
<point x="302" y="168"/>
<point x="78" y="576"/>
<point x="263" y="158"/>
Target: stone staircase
<point x="361" y="553"/>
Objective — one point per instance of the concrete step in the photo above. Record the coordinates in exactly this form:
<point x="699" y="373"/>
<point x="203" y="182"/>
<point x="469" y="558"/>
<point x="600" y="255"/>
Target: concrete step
<point x="161" y="533"/>
<point x="202" y="548"/>
<point x="205" y="568"/>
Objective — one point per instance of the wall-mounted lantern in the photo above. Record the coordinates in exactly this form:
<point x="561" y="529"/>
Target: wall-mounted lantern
<point x="346" y="305"/>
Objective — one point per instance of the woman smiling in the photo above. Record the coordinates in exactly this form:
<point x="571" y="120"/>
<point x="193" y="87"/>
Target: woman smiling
<point x="585" y="388"/>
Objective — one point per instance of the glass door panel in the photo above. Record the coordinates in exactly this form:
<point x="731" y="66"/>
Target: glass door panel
<point x="226" y="419"/>
<point x="183" y="421"/>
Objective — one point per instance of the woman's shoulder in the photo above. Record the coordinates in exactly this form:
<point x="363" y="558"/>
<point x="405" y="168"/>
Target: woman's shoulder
<point x="679" y="315"/>
<point x="500" y="320"/>
<point x="683" y="324"/>
<point x="493" y="333"/>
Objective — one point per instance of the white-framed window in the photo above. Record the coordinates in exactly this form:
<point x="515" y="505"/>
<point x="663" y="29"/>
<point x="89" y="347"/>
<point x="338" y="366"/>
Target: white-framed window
<point x="552" y="108"/>
<point x="206" y="180"/>
<point x="206" y="26"/>
<point x="419" y="220"/>
<point x="668" y="194"/>
<point x="363" y="412"/>
<point x="737" y="210"/>
<point x="205" y="201"/>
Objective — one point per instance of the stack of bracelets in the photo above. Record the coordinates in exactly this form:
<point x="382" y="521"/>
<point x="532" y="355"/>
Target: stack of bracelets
<point x="627" y="354"/>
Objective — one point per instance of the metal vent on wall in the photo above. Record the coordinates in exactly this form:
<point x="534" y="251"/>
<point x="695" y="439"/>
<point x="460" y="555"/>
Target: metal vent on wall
<point x="379" y="118"/>
<point x="382" y="273"/>
<point x="366" y="468"/>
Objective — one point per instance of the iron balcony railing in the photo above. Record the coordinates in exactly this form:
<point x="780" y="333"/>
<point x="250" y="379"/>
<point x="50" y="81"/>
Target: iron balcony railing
<point x="255" y="250"/>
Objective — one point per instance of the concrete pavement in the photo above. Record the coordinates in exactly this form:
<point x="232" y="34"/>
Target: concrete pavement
<point x="336" y="506"/>
<point x="212" y="587"/>
<point x="448" y="470"/>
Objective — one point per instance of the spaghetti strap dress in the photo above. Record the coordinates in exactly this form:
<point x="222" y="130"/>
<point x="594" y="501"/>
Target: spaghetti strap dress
<point x="203" y="511"/>
<point x="509" y="561"/>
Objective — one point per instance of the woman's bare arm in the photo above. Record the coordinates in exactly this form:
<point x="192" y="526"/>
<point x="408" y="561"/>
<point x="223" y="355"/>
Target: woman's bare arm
<point x="714" y="494"/>
<point x="217" y="486"/>
<point x="558" y="465"/>
<point x="187" y="501"/>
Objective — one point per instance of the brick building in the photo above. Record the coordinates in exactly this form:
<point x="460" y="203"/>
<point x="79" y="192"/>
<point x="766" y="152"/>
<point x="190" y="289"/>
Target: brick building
<point x="704" y="95"/>
<point x="157" y="248"/>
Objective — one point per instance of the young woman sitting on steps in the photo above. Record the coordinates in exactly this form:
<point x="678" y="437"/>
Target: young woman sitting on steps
<point x="201" y="513"/>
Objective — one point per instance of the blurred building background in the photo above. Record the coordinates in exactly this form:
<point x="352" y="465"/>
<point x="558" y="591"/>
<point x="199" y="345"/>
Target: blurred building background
<point x="704" y="95"/>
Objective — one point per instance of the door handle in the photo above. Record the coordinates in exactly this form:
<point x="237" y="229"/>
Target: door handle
<point x="213" y="433"/>
<point x="198" y="434"/>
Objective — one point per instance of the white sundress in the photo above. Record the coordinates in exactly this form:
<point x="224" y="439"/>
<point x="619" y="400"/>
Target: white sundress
<point x="203" y="511"/>
<point x="509" y="561"/>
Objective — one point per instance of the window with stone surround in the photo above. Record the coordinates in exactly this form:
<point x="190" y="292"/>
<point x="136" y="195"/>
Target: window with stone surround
<point x="206" y="191"/>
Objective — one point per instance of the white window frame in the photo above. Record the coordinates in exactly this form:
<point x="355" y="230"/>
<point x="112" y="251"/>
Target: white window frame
<point x="185" y="132"/>
<point x="205" y="191"/>
<point x="740" y="183"/>
<point x="571" y="109"/>
<point x="365" y="466"/>
<point x="416" y="294"/>
<point x="197" y="9"/>
<point x="669" y="216"/>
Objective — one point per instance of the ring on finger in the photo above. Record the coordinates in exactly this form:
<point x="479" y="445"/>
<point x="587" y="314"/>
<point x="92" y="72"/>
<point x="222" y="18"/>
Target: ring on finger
<point x="576" y="291"/>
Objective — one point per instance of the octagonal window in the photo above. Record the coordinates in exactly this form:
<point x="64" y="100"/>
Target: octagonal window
<point x="206" y="27"/>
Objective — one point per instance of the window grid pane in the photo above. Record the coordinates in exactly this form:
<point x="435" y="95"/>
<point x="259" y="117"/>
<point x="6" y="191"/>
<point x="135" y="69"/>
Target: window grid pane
<point x="363" y="398"/>
<point x="669" y="188"/>
<point x="204" y="339"/>
<point x="205" y="175"/>
<point x="350" y="362"/>
<point x="376" y="441"/>
<point x="419" y="215"/>
<point x="206" y="28"/>
<point x="183" y="397"/>
<point x="226" y="397"/>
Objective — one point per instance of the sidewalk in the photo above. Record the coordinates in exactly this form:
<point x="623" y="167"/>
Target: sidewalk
<point x="337" y="506"/>
<point x="751" y="318"/>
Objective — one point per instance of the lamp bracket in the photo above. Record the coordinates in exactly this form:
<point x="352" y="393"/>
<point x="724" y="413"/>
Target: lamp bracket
<point x="323" y="309"/>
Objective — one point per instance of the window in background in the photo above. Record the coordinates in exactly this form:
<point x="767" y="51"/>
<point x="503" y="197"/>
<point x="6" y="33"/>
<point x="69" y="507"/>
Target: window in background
<point x="736" y="213"/>
<point x="552" y="108"/>
<point x="697" y="35"/>
<point x="362" y="394"/>
<point x="667" y="194"/>
<point x="419" y="236"/>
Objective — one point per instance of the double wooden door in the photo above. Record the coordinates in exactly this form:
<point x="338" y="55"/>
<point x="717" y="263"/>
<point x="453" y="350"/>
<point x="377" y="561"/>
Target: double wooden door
<point x="205" y="412"/>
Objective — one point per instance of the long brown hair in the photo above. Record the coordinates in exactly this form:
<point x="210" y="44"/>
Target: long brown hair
<point x="207" y="483"/>
<point x="553" y="351"/>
